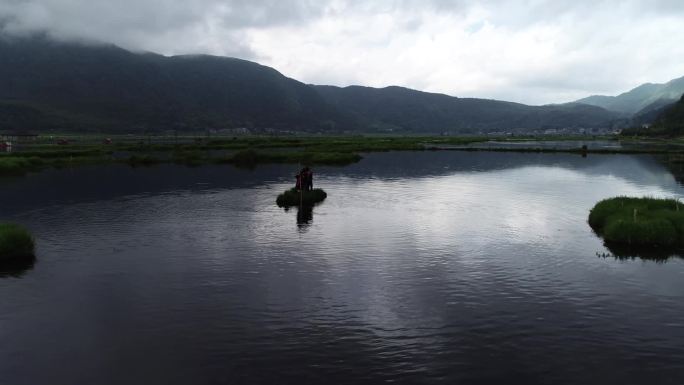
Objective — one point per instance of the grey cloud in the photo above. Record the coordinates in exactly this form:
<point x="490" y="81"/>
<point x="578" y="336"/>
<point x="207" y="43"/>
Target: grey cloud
<point x="162" y="25"/>
<point x="136" y="23"/>
<point x="246" y="13"/>
<point x="593" y="54"/>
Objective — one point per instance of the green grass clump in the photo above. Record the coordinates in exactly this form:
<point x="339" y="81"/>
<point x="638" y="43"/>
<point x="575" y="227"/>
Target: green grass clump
<point x="245" y="158"/>
<point x="15" y="242"/>
<point x="639" y="221"/>
<point x="11" y="165"/>
<point x="294" y="197"/>
<point x="189" y="158"/>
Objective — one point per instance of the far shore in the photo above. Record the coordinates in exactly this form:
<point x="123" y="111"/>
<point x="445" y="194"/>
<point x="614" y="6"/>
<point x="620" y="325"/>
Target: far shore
<point x="40" y="152"/>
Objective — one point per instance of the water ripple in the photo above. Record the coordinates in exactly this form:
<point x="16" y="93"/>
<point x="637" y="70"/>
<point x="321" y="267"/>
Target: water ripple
<point x="454" y="267"/>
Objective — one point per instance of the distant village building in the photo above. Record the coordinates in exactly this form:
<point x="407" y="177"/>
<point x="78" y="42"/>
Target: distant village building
<point x="232" y="131"/>
<point x="17" y="136"/>
<point x="5" y="146"/>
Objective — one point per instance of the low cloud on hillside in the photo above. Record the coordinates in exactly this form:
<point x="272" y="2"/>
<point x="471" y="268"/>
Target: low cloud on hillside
<point x="534" y="51"/>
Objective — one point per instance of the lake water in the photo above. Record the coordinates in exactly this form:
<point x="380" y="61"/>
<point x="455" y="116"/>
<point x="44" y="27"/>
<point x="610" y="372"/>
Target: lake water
<point x="548" y="144"/>
<point x="429" y="267"/>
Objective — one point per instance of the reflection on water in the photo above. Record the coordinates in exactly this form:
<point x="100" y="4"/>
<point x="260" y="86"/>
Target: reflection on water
<point x="16" y="267"/>
<point x="646" y="253"/>
<point x="304" y="216"/>
<point x="431" y="267"/>
<point x="674" y="164"/>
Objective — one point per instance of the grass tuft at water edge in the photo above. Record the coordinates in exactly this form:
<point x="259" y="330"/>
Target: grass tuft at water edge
<point x="15" y="242"/>
<point x="639" y="221"/>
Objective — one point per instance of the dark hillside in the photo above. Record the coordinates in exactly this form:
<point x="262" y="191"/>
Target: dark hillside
<point x="47" y="85"/>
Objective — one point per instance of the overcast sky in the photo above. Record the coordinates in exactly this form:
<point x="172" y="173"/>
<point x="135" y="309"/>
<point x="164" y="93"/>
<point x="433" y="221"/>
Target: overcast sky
<point x="530" y="51"/>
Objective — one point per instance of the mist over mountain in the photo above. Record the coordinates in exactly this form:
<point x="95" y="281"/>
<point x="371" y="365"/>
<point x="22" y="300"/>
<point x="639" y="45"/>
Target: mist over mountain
<point x="670" y="121"/>
<point x="640" y="100"/>
<point x="48" y="85"/>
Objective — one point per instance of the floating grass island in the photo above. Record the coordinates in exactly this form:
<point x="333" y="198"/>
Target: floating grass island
<point x="16" y="243"/>
<point x="639" y="221"/>
<point x="294" y="197"/>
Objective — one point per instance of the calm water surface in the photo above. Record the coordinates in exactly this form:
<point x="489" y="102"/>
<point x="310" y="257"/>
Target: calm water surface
<point x="433" y="267"/>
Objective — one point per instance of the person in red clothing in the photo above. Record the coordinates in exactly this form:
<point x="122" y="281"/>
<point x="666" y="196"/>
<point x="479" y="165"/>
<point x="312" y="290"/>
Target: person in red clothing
<point x="298" y="184"/>
<point x="307" y="179"/>
<point x="304" y="179"/>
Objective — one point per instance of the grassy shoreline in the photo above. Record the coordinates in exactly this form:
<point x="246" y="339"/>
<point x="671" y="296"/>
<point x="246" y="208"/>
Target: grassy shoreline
<point x="249" y="151"/>
<point x="243" y="151"/>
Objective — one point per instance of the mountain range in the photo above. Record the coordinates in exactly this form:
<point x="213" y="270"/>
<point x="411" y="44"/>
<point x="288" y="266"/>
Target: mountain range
<point x="640" y="100"/>
<point x="671" y="121"/>
<point x="50" y="85"/>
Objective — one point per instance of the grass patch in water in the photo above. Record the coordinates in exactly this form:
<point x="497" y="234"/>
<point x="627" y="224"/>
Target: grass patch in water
<point x="294" y="197"/>
<point x="20" y="164"/>
<point x="15" y="242"/>
<point x="10" y="165"/>
<point x="189" y="158"/>
<point x="639" y="221"/>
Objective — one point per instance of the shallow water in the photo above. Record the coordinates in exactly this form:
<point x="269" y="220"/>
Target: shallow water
<point x="430" y="267"/>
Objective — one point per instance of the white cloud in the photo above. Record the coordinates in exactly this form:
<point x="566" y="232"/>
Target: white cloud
<point x="533" y="51"/>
